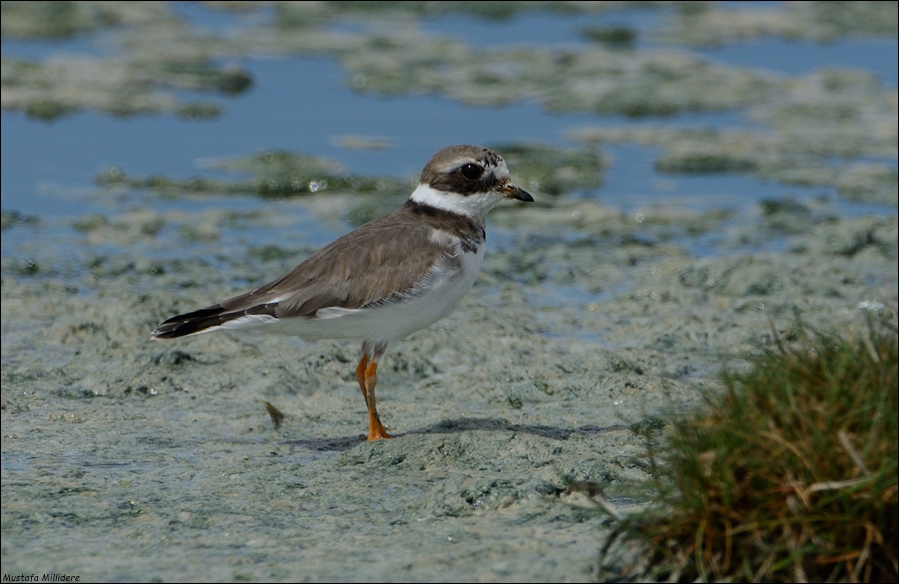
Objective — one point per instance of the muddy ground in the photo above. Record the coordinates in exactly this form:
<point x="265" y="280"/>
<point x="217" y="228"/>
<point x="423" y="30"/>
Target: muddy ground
<point x="131" y="459"/>
<point x="591" y="326"/>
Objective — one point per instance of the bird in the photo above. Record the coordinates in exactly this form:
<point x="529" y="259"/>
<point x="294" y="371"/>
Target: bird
<point x="386" y="279"/>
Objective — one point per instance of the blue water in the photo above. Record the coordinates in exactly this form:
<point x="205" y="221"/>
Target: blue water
<point x="302" y="104"/>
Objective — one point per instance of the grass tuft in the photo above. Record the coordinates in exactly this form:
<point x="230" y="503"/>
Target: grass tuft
<point x="790" y="475"/>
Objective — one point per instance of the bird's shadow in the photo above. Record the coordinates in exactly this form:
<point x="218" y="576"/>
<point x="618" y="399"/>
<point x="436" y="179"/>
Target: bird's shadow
<point x="458" y="425"/>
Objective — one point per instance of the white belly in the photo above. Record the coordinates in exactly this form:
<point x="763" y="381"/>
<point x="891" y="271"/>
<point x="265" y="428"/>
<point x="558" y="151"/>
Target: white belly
<point x="437" y="298"/>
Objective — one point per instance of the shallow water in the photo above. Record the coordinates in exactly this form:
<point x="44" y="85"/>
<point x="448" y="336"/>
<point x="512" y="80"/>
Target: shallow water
<point x="610" y="304"/>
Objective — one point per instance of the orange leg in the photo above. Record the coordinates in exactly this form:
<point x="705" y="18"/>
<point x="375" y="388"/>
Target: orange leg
<point x="367" y="376"/>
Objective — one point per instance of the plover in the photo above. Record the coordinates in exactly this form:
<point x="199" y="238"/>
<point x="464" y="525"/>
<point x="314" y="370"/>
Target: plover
<point x="386" y="279"/>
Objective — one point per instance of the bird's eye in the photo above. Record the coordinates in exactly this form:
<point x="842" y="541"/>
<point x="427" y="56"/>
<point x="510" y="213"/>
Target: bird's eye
<point x="471" y="171"/>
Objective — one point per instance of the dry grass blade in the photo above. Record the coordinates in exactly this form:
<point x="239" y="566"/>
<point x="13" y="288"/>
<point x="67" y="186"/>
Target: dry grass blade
<point x="790" y="476"/>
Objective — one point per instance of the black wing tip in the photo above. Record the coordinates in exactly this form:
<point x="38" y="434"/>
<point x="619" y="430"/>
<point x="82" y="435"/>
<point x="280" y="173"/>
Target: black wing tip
<point x="206" y="319"/>
<point x="163" y="333"/>
<point x="173" y="330"/>
<point x="188" y="324"/>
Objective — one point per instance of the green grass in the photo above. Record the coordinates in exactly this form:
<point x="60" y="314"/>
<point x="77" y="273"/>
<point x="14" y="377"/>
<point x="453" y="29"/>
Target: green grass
<point x="790" y="475"/>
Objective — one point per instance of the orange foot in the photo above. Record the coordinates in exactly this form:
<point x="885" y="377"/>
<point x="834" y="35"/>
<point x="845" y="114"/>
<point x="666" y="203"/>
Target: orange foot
<point x="367" y="376"/>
